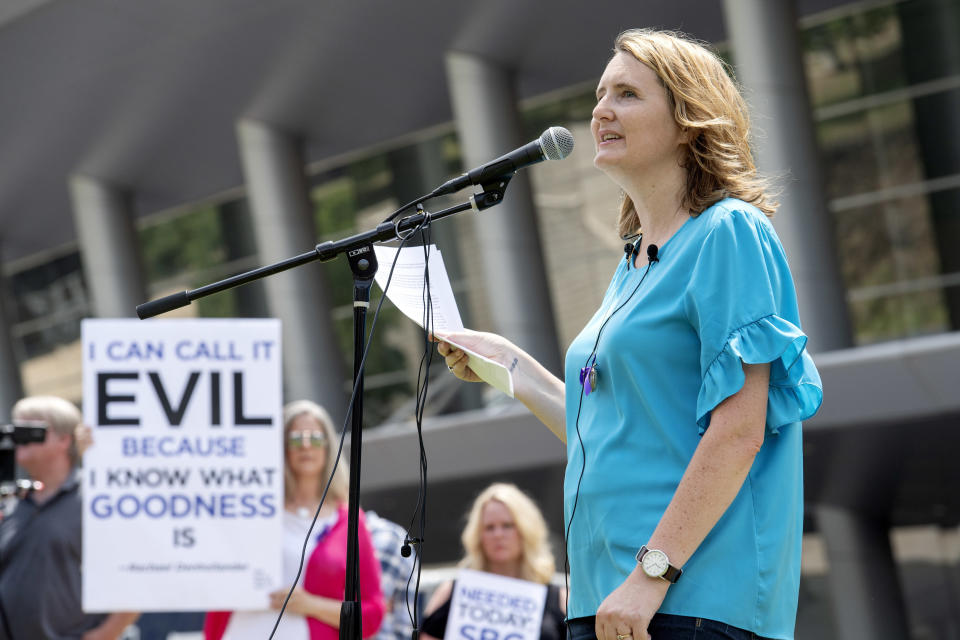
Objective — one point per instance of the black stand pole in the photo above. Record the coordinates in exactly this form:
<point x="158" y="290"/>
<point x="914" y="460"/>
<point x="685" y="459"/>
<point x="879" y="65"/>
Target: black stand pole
<point x="363" y="264"/>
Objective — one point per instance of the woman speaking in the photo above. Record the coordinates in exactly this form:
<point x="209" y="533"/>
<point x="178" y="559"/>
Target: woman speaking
<point x="683" y="395"/>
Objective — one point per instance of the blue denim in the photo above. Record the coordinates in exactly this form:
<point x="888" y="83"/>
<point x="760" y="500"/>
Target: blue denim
<point x="669" y="627"/>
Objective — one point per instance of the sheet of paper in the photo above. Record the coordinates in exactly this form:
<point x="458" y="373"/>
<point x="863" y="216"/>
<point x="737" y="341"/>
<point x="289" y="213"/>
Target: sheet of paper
<point x="406" y="286"/>
<point x="406" y="293"/>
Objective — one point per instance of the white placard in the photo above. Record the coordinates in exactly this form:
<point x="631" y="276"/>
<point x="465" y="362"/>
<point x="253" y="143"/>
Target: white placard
<point x="183" y="486"/>
<point x="486" y="606"/>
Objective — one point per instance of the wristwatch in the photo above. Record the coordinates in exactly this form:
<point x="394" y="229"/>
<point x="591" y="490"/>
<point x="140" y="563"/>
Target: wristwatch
<point x="656" y="564"/>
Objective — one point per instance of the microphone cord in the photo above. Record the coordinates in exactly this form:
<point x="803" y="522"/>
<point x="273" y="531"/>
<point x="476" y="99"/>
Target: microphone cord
<point x="423" y="383"/>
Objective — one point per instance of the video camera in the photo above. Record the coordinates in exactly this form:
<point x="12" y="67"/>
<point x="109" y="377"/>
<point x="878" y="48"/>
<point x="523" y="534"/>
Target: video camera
<point x="11" y="435"/>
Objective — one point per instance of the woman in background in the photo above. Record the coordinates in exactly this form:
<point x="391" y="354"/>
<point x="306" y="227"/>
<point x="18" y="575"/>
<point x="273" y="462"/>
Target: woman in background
<point x="505" y="535"/>
<point x="313" y="611"/>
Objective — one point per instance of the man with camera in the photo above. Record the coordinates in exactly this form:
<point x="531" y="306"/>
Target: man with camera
<point x="40" y="542"/>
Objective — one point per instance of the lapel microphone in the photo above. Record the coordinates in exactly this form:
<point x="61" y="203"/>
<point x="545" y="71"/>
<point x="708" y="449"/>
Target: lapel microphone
<point x="631" y="249"/>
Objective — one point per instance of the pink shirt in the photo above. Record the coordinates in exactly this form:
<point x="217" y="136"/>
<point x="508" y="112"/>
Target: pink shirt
<point x="325" y="575"/>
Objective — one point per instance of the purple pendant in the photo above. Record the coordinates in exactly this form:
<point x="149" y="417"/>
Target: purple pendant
<point x="588" y="379"/>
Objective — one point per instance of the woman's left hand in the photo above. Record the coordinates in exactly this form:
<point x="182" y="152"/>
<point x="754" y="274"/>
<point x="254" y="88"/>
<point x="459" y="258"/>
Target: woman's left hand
<point x="299" y="600"/>
<point x="625" y="614"/>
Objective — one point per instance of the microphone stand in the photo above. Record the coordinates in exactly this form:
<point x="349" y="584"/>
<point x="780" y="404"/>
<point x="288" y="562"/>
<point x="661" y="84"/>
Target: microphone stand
<point x="363" y="264"/>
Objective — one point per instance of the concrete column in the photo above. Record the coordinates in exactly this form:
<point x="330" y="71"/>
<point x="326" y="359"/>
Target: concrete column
<point x="417" y="170"/>
<point x="283" y="222"/>
<point x="11" y="384"/>
<point x="766" y="49"/>
<point x="866" y="595"/>
<point x="109" y="247"/>
<point x="507" y="238"/>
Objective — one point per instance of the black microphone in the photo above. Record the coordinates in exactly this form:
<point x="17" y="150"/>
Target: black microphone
<point x="652" y="251"/>
<point x="405" y="550"/>
<point x="555" y="143"/>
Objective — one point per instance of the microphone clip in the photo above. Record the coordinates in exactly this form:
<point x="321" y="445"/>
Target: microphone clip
<point x="492" y="194"/>
<point x="631" y="249"/>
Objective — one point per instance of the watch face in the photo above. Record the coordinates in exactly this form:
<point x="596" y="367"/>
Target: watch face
<point x="655" y="563"/>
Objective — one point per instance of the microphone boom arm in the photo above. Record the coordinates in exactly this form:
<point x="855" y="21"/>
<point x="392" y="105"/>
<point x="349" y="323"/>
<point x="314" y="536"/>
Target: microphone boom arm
<point x="492" y="194"/>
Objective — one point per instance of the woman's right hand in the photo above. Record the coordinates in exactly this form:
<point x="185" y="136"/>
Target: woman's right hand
<point x="534" y="386"/>
<point x="489" y="345"/>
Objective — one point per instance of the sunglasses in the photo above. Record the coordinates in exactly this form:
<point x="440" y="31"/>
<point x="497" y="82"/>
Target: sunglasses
<point x="300" y="439"/>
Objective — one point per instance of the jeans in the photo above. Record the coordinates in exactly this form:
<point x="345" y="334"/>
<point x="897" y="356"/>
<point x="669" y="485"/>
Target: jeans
<point x="666" y="626"/>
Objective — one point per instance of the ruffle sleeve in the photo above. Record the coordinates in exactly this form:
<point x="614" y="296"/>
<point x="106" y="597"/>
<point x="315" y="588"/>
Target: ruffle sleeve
<point x="742" y="303"/>
<point x="795" y="388"/>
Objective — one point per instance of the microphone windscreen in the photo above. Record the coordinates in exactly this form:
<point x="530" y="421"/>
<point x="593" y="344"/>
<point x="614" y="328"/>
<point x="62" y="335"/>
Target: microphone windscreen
<point x="556" y="143"/>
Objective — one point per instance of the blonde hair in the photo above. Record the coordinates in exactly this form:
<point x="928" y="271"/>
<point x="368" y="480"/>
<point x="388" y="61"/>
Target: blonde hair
<point x="60" y="416"/>
<point x="537" y="564"/>
<point x="706" y="102"/>
<point x="339" y="486"/>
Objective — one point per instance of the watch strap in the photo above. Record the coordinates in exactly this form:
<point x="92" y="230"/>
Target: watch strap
<point x="672" y="574"/>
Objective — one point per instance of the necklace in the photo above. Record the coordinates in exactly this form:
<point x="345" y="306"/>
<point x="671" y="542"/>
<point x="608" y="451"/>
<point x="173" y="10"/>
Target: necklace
<point x="301" y="509"/>
<point x="589" y="372"/>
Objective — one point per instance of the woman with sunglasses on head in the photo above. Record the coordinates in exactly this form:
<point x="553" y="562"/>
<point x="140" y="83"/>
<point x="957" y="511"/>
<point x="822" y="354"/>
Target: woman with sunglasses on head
<point x="682" y="397"/>
<point x="313" y="612"/>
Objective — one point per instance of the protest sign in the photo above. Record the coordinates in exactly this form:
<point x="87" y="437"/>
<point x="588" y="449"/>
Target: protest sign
<point x="486" y="606"/>
<point x="183" y="486"/>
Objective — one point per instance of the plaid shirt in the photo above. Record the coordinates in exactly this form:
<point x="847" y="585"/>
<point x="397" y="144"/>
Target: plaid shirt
<point x="395" y="571"/>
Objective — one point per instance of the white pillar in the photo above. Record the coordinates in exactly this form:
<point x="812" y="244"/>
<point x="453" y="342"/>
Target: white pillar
<point x="507" y="237"/>
<point x="766" y="49"/>
<point x="283" y="221"/>
<point x="109" y="247"/>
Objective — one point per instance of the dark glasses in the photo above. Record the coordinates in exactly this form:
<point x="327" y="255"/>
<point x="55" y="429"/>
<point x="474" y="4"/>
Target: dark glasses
<point x="300" y="439"/>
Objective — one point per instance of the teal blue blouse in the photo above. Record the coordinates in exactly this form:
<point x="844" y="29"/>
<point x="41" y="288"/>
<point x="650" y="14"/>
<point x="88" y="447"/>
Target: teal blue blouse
<point x="670" y="350"/>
